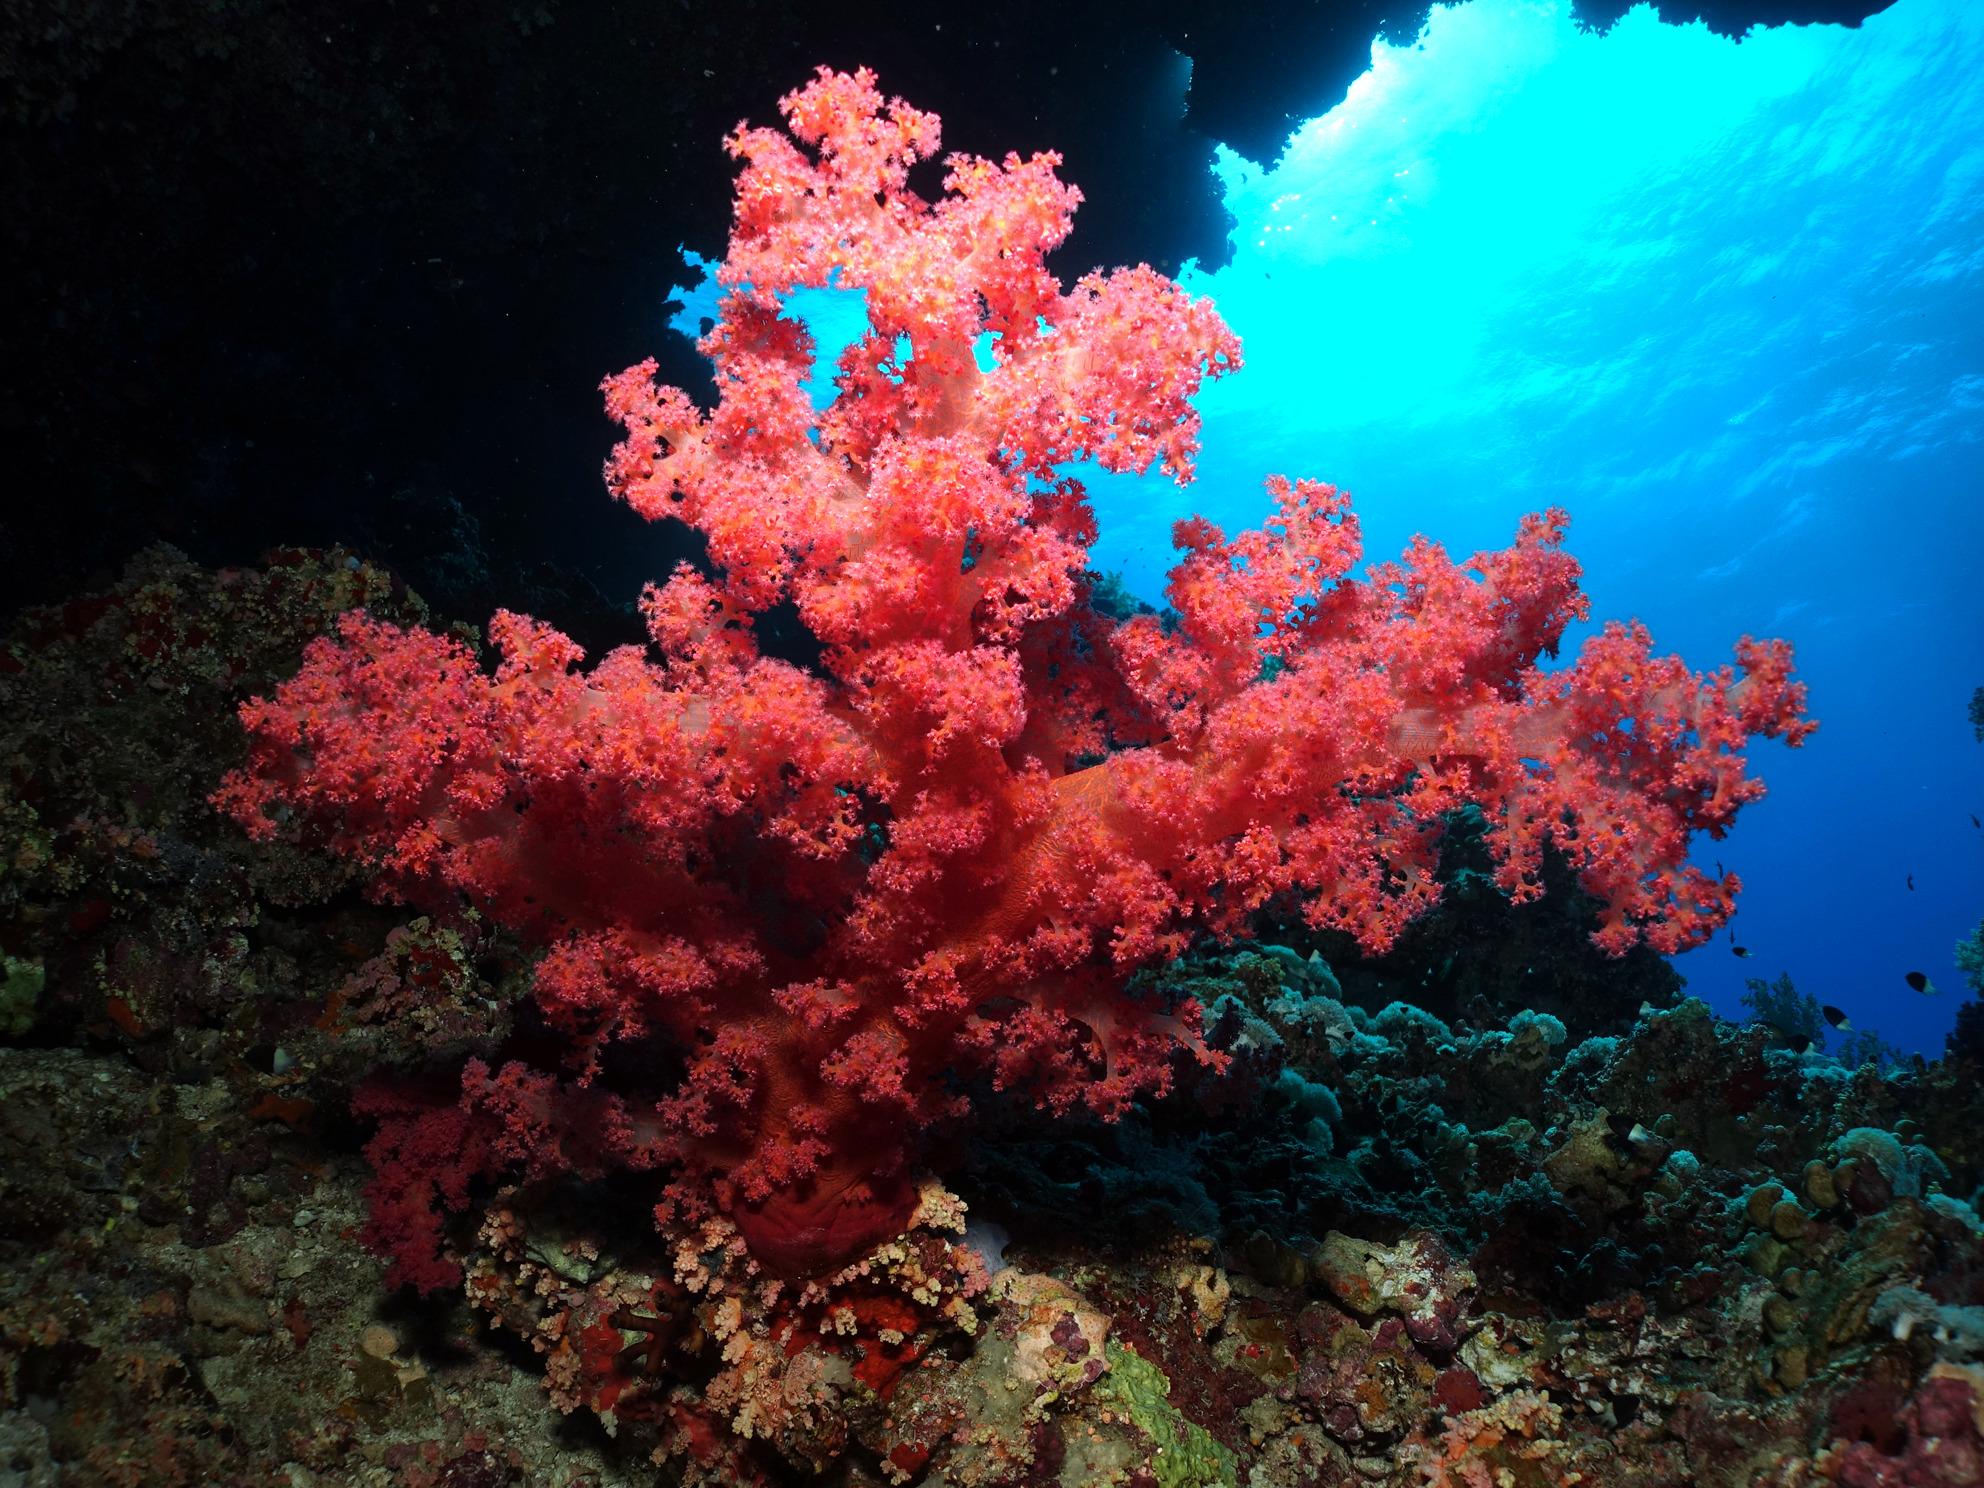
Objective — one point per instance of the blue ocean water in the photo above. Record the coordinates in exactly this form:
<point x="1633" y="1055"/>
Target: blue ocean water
<point x="1725" y="302"/>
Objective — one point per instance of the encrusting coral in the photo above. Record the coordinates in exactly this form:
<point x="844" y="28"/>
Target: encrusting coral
<point x="831" y="896"/>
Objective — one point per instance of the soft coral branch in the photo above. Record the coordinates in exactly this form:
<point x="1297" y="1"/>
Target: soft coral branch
<point x="836" y="895"/>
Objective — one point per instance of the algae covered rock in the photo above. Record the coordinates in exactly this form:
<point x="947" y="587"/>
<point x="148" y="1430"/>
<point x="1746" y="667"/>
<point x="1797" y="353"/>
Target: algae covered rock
<point x="20" y="988"/>
<point x="1180" y="1455"/>
<point x="1417" y="1279"/>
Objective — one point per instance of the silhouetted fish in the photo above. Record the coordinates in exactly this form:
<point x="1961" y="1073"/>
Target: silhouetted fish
<point x="1921" y="984"/>
<point x="1837" y="1018"/>
<point x="1799" y="1042"/>
<point x="1911" y="882"/>
<point x="1743" y="951"/>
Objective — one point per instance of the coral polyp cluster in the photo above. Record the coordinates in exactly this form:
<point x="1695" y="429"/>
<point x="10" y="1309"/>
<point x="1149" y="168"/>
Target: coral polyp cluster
<point x="800" y="1368"/>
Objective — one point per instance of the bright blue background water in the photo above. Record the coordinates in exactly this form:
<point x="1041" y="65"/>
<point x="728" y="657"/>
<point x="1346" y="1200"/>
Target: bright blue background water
<point x="1723" y="301"/>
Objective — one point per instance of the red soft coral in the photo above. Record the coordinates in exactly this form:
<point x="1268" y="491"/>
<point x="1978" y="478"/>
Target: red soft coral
<point x="837" y="894"/>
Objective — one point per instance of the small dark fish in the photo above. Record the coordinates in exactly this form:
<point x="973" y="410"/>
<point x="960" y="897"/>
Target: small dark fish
<point x="1921" y="984"/>
<point x="1799" y="1042"/>
<point x="1975" y="822"/>
<point x="1911" y="882"/>
<point x="1743" y="951"/>
<point x="1837" y="1018"/>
